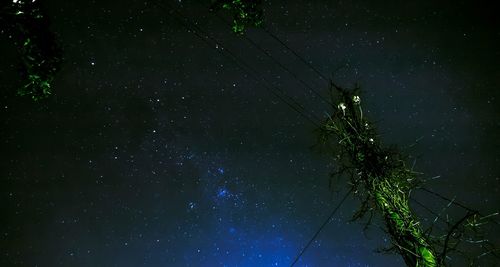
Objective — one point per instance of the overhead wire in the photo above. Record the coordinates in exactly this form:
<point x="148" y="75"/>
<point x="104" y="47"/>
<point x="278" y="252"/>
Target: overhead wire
<point x="279" y="93"/>
<point x="276" y="61"/>
<point x="452" y="201"/>
<point x="429" y="210"/>
<point x="253" y="43"/>
<point x="456" y="203"/>
<point x="297" y="55"/>
<point x="321" y="75"/>
<point x="240" y="63"/>
<point x="321" y="227"/>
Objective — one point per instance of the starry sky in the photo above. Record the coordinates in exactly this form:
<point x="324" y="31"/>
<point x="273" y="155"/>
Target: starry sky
<point x="157" y="150"/>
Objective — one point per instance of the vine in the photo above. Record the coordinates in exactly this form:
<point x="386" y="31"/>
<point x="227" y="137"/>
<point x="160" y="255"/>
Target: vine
<point x="380" y="176"/>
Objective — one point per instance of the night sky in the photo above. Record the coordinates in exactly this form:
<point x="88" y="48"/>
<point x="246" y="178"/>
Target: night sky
<point x="155" y="149"/>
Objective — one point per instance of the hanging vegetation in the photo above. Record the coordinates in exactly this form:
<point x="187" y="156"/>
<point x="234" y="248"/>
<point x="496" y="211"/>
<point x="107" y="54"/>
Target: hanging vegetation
<point x="41" y="56"/>
<point x="381" y="178"/>
<point x="246" y="13"/>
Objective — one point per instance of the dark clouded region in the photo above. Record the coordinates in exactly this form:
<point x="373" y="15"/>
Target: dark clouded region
<point x="157" y="148"/>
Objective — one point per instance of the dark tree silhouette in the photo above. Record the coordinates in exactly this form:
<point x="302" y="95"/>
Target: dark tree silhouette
<point x="25" y="23"/>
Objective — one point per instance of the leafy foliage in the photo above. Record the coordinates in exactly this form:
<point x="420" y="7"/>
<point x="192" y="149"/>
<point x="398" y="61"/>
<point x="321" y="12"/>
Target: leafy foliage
<point x="379" y="175"/>
<point x="245" y="13"/>
<point x="41" y="56"/>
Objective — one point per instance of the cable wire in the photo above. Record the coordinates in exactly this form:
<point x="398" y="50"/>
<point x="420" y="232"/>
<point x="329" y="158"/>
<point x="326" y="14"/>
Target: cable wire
<point x="295" y="53"/>
<point x="321" y="227"/>
<point x="448" y="199"/>
<point x="269" y="55"/>
<point x="292" y="103"/>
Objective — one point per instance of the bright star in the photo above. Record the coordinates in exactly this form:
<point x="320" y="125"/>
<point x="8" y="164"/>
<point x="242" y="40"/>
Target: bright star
<point x="222" y="193"/>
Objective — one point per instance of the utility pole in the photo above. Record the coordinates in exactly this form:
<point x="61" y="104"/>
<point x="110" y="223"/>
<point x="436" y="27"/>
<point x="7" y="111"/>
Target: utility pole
<point x="379" y="175"/>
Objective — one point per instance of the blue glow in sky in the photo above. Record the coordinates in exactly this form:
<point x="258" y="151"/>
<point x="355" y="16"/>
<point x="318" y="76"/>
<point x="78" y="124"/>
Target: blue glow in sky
<point x="223" y="193"/>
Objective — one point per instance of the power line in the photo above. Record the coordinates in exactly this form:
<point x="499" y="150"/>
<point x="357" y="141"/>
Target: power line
<point x="294" y="75"/>
<point x="456" y="203"/>
<point x="292" y="103"/>
<point x="429" y="210"/>
<point x="296" y="54"/>
<point x="321" y="227"/>
<point x="301" y="81"/>
<point x="235" y="59"/>
<point x="447" y="199"/>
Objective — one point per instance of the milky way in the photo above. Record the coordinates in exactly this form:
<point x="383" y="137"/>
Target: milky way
<point x="155" y="149"/>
